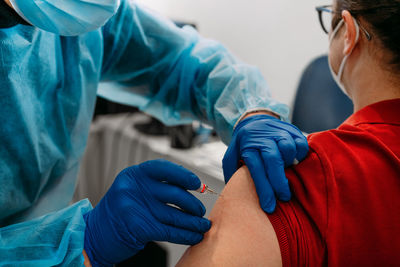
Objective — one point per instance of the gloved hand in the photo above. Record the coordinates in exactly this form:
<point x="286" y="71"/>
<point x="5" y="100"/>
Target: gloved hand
<point x="134" y="211"/>
<point x="266" y="145"/>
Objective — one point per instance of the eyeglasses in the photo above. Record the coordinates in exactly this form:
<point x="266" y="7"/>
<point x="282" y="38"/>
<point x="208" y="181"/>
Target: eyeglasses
<point x="325" y="14"/>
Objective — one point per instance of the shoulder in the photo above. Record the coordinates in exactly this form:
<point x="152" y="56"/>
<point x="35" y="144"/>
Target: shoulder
<point x="342" y="151"/>
<point x="241" y="233"/>
<point x="333" y="154"/>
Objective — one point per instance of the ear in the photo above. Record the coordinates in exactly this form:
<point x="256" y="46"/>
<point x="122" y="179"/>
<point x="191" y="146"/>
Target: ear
<point x="350" y="37"/>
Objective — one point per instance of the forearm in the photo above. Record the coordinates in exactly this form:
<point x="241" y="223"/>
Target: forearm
<point x="230" y="89"/>
<point x="178" y="76"/>
<point x="54" y="239"/>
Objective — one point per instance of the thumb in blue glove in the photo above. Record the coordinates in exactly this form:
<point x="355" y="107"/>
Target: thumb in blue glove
<point x="135" y="211"/>
<point x="266" y="145"/>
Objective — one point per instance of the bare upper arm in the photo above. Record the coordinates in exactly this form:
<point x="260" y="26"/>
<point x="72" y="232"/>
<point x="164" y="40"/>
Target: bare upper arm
<point x="241" y="233"/>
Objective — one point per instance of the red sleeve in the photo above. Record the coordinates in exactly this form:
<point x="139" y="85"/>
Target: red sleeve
<point x="300" y="224"/>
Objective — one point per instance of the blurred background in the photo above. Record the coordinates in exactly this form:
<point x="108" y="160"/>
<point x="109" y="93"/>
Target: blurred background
<point x="280" y="37"/>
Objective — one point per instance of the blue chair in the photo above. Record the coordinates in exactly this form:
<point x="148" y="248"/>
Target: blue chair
<point x="320" y="104"/>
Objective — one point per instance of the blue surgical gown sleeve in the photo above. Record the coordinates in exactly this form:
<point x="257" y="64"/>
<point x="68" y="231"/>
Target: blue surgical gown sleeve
<point x="176" y="75"/>
<point x="55" y="239"/>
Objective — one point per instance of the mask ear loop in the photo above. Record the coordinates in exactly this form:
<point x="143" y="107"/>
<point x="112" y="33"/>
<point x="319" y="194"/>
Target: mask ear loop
<point x="335" y="31"/>
<point x="343" y="64"/>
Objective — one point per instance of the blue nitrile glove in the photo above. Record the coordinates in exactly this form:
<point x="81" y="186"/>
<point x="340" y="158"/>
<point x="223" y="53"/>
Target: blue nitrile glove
<point x="134" y="211"/>
<point x="266" y="145"/>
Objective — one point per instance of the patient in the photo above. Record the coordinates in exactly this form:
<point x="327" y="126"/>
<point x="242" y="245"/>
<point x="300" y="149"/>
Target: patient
<point x="345" y="209"/>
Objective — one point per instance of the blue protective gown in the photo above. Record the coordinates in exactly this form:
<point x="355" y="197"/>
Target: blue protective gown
<point x="48" y="87"/>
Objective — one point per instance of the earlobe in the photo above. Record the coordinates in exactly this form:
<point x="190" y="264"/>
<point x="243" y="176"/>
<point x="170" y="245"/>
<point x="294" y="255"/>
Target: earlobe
<point x="350" y="37"/>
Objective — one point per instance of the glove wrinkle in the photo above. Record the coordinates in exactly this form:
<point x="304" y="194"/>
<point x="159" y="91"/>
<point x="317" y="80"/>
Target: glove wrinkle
<point x="267" y="145"/>
<point x="130" y="214"/>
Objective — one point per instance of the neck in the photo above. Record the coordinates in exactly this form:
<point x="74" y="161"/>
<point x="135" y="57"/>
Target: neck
<point x="369" y="84"/>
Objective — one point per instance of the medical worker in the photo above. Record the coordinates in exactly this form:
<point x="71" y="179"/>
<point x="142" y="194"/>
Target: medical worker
<point x="53" y="56"/>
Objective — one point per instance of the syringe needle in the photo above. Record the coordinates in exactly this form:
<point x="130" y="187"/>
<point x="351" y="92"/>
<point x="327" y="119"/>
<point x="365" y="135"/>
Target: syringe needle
<point x="211" y="191"/>
<point x="205" y="189"/>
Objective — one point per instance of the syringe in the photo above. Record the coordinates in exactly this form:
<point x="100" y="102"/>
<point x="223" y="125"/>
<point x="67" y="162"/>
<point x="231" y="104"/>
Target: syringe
<point x="204" y="189"/>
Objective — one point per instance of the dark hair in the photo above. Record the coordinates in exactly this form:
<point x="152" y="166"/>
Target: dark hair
<point x="383" y="22"/>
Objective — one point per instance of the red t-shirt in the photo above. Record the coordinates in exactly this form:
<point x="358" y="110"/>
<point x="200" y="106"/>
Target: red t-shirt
<point x="346" y="205"/>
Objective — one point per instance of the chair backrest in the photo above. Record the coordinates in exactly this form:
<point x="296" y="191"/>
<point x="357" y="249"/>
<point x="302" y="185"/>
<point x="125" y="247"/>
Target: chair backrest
<point x="319" y="104"/>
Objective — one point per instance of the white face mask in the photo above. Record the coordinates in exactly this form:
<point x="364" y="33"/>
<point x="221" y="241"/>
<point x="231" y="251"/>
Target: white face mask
<point x="338" y="77"/>
<point x="66" y="17"/>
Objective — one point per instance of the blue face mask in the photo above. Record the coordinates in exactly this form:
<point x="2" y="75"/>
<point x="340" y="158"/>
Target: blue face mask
<point x="66" y="17"/>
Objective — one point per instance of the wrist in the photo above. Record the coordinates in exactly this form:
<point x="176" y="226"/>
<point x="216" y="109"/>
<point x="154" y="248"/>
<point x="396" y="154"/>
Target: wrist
<point x="8" y="3"/>
<point x="263" y="112"/>
<point x="254" y="112"/>
<point x="86" y="261"/>
<point x="92" y="258"/>
<point x="90" y="241"/>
